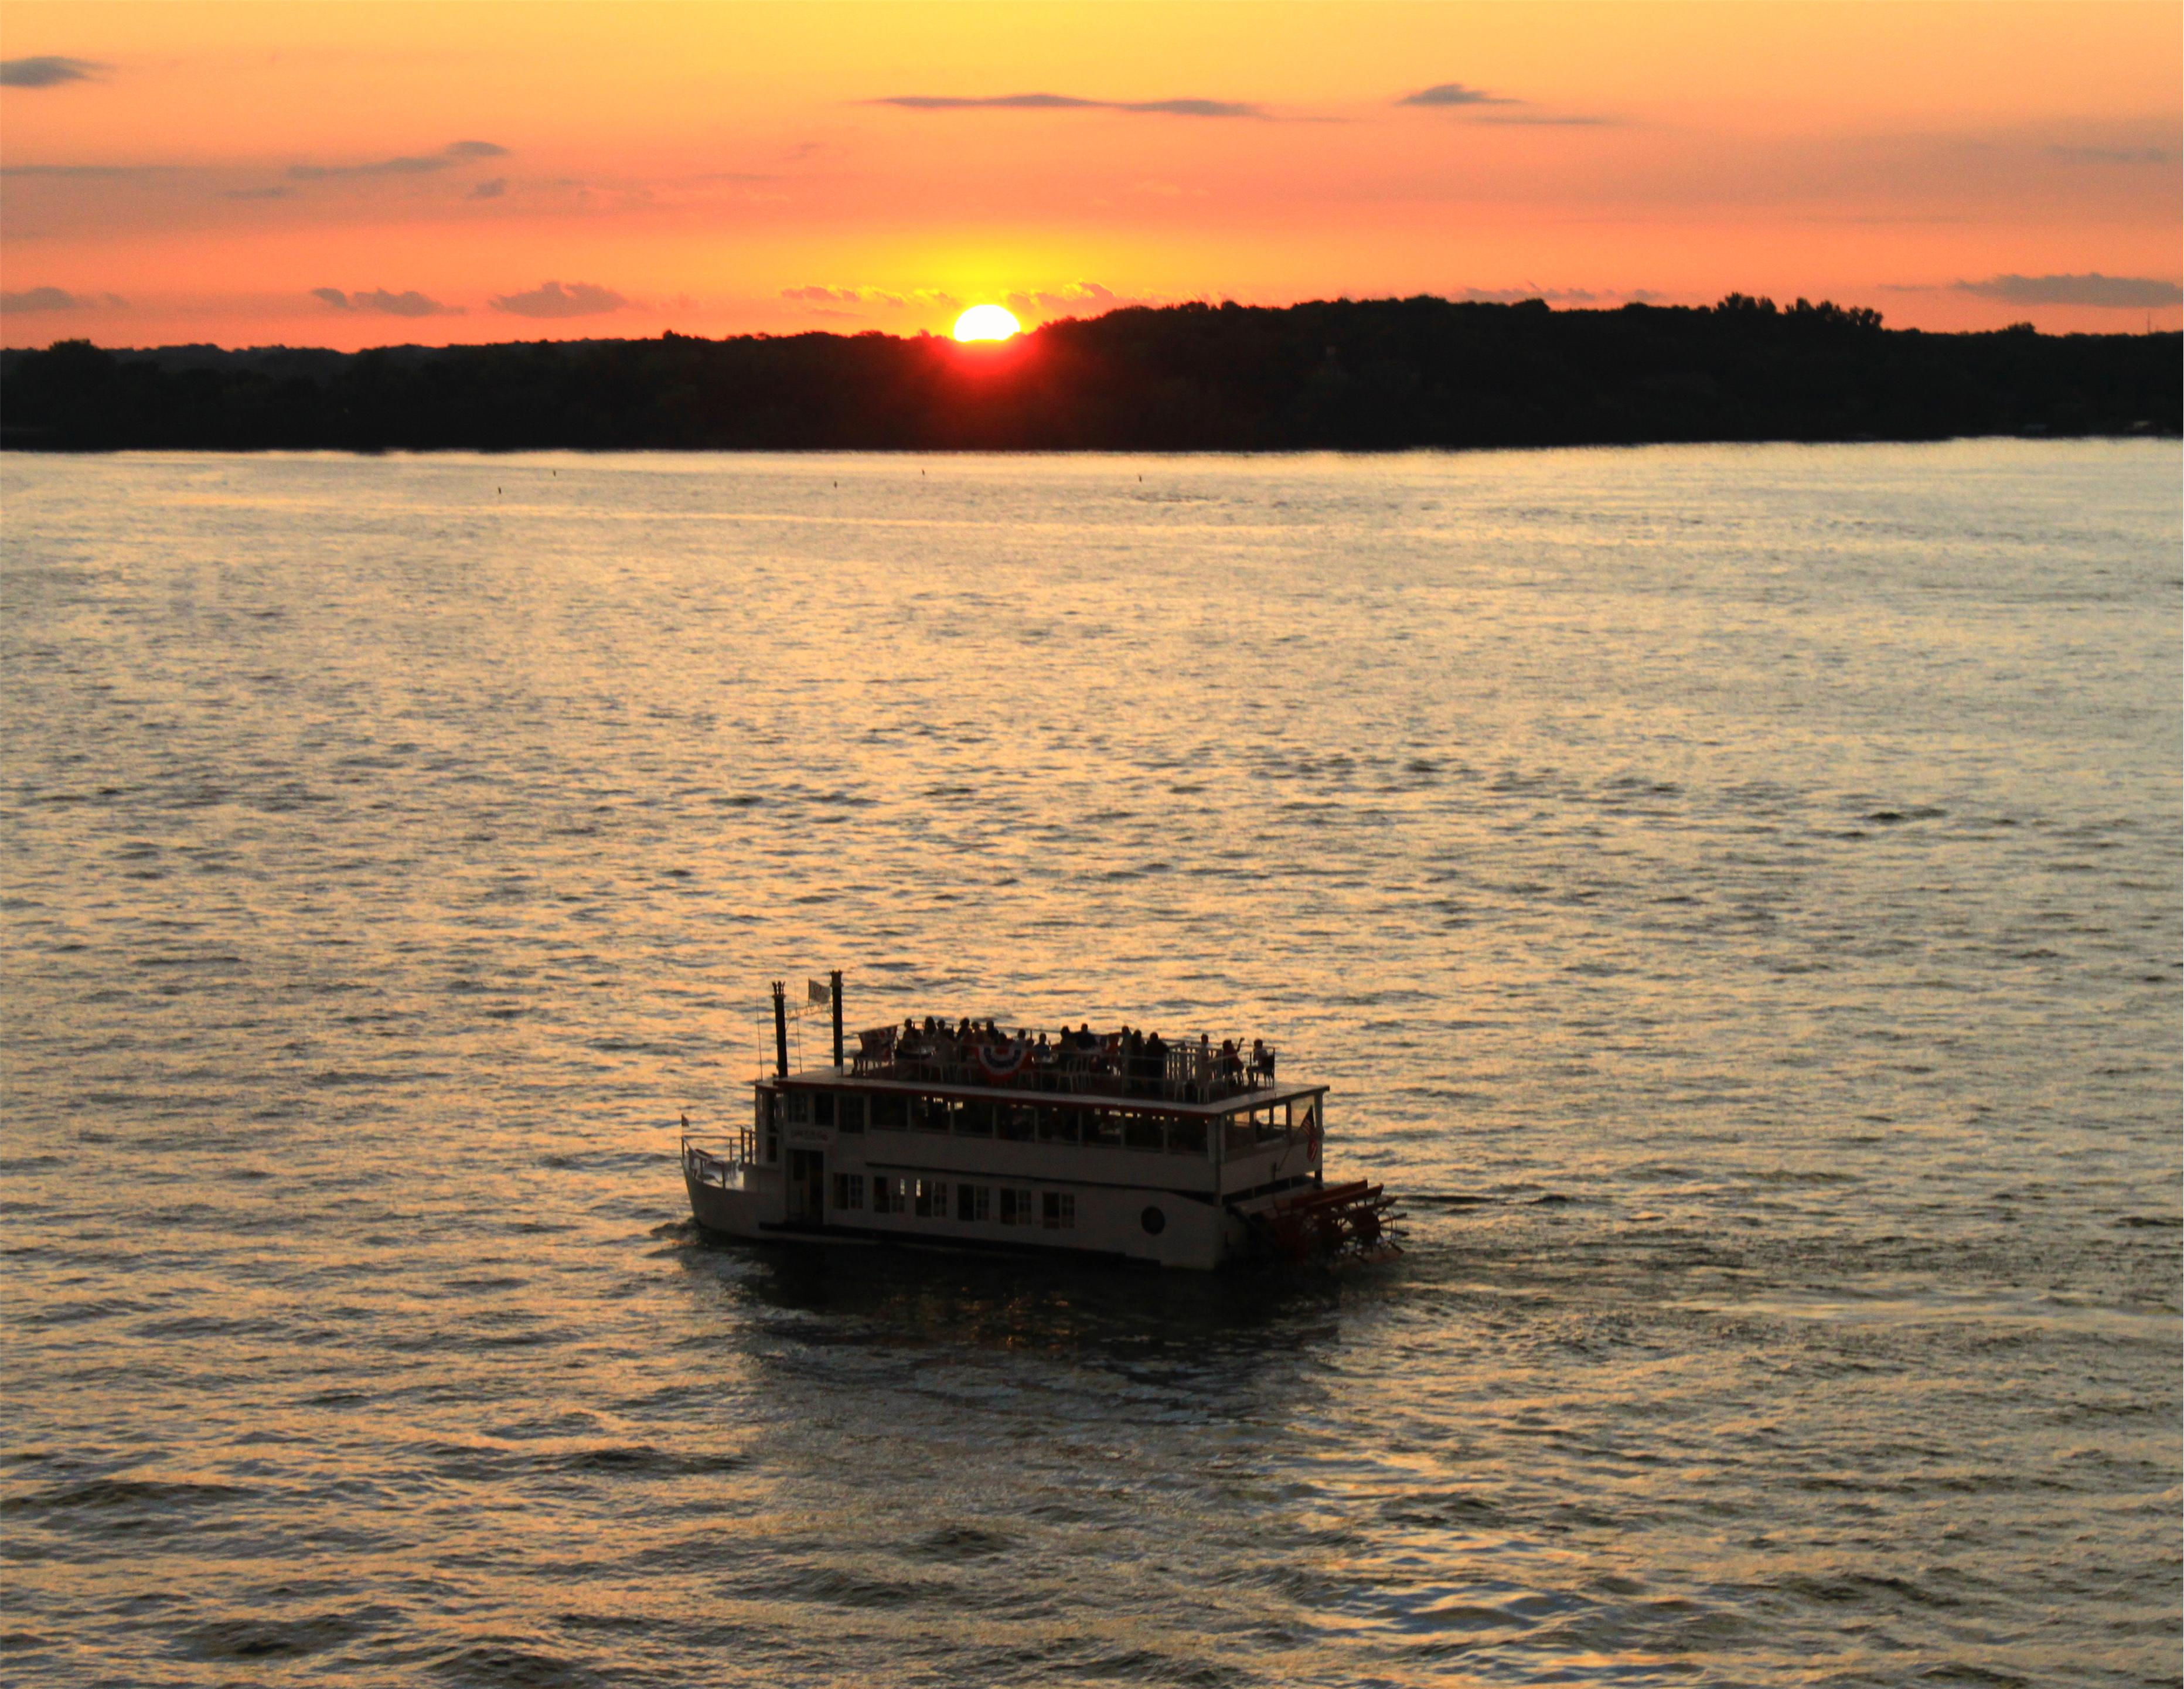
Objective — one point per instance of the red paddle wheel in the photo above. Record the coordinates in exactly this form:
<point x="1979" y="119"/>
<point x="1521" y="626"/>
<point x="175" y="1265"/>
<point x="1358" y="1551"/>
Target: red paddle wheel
<point x="1353" y="1222"/>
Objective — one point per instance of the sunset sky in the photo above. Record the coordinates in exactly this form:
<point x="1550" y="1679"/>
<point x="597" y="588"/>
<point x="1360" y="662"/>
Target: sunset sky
<point x="359" y="174"/>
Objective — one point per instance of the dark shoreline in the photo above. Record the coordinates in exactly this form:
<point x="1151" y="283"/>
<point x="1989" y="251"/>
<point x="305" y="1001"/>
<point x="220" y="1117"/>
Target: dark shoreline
<point x="1369" y="376"/>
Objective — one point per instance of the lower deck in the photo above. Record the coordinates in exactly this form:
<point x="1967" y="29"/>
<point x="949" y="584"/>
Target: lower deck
<point x="1168" y="1187"/>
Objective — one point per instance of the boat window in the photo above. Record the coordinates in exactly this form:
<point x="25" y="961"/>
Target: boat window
<point x="930" y="1114"/>
<point x="890" y="1113"/>
<point x="1186" y="1138"/>
<point x="822" y="1109"/>
<point x="850" y="1113"/>
<point x="1238" y="1139"/>
<point x="1058" y="1211"/>
<point x="849" y="1190"/>
<point x="973" y="1119"/>
<point x="974" y="1202"/>
<point x="930" y="1199"/>
<point x="1268" y="1126"/>
<point x="796" y="1108"/>
<point x="1104" y="1127"/>
<point x="1057" y="1125"/>
<point x="887" y="1193"/>
<point x="1142" y="1132"/>
<point x="1017" y="1120"/>
<point x="1016" y="1206"/>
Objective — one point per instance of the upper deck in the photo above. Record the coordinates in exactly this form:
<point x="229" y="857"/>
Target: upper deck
<point x="1197" y="1077"/>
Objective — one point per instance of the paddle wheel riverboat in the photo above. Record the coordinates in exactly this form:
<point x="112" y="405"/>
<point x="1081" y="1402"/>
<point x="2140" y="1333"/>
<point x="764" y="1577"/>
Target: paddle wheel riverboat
<point x="1188" y="1155"/>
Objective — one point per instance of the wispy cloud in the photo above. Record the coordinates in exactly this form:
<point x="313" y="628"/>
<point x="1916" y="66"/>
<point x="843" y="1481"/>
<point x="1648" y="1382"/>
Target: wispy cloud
<point x="552" y="299"/>
<point x="1453" y="94"/>
<point x="1077" y="296"/>
<point x="47" y="70"/>
<point x="448" y="158"/>
<point x="378" y="300"/>
<point x="2117" y="293"/>
<point x="823" y="294"/>
<point x="57" y="299"/>
<point x="1540" y="120"/>
<point x="1512" y="296"/>
<point x="489" y="190"/>
<point x="820" y="294"/>
<point x="1175" y="108"/>
<point x="87" y="171"/>
<point x="1462" y="97"/>
<point x="257" y="193"/>
<point x="2113" y="155"/>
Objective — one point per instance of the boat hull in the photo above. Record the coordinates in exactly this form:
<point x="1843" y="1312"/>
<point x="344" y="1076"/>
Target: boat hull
<point x="1123" y="1223"/>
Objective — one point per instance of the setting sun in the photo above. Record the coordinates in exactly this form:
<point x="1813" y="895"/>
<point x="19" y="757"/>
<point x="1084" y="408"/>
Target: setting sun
<point x="986" y="322"/>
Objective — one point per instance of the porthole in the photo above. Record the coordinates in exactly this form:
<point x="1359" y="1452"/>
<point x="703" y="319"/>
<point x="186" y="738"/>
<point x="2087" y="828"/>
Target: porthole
<point x="1153" y="1221"/>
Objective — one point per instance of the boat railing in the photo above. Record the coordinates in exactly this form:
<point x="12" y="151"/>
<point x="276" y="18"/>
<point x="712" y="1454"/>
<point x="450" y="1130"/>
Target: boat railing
<point x="717" y="1167"/>
<point x="1066" y="1064"/>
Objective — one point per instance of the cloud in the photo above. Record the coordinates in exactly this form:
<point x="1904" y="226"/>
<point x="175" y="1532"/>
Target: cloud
<point x="379" y="300"/>
<point x="816" y="294"/>
<point x="1559" y="296"/>
<point x="819" y="294"/>
<point x="552" y="299"/>
<point x="2119" y="293"/>
<point x="57" y="299"/>
<point x="1452" y="94"/>
<point x="46" y="71"/>
<point x="1543" y="121"/>
<point x="1447" y="96"/>
<point x="256" y="193"/>
<point x="489" y="190"/>
<point x="1176" y="108"/>
<point x="2113" y="155"/>
<point x="88" y="170"/>
<point x="1076" y="294"/>
<point x="449" y="156"/>
<point x="1512" y="296"/>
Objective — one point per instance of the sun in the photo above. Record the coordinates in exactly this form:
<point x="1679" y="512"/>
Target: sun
<point x="986" y="322"/>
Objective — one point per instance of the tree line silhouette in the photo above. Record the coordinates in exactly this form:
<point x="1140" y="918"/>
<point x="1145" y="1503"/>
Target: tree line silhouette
<point x="1369" y="375"/>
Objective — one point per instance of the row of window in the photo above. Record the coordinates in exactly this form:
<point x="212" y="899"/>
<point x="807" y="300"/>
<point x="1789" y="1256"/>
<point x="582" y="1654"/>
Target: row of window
<point x="1028" y="1123"/>
<point x="937" y="1199"/>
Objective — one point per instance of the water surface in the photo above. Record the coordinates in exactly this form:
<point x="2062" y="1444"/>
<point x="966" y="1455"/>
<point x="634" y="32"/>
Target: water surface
<point x="1734" y="894"/>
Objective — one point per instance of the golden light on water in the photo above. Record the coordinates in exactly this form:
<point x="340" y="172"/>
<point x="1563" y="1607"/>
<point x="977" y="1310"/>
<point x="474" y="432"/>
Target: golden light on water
<point x="987" y="322"/>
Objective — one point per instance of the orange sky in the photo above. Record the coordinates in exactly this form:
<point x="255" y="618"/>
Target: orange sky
<point x="358" y="175"/>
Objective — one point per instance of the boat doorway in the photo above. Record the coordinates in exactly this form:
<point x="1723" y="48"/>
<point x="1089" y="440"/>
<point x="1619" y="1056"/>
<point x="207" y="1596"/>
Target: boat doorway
<point x="807" y="1187"/>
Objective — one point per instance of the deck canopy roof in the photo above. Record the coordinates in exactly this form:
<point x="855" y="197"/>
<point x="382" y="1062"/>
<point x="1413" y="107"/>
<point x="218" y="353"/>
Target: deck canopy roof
<point x="1260" y="1096"/>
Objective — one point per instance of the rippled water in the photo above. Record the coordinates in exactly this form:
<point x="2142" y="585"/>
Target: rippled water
<point x="1734" y="892"/>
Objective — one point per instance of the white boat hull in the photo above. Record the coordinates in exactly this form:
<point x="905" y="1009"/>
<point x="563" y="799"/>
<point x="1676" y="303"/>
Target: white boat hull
<point x="1109" y="1221"/>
